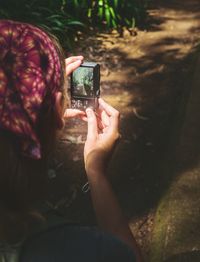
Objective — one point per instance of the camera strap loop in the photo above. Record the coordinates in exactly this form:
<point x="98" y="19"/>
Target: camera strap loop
<point x="86" y="188"/>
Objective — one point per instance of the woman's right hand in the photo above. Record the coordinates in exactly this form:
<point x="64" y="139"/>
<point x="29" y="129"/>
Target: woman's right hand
<point x="102" y="137"/>
<point x="103" y="134"/>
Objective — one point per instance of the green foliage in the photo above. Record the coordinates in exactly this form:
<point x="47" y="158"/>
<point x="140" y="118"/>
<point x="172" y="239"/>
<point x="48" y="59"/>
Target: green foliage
<point x="47" y="14"/>
<point x="108" y="13"/>
<point x="65" y="18"/>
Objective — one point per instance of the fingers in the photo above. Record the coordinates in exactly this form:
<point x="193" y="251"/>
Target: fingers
<point x="72" y="59"/>
<point x="72" y="63"/>
<point x="92" y="124"/>
<point x="70" y="113"/>
<point x="108" y="108"/>
<point x="102" y="119"/>
<point x="105" y="119"/>
<point x="73" y="66"/>
<point x="112" y="113"/>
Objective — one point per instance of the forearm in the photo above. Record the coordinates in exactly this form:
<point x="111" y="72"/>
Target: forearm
<point x="102" y="137"/>
<point x="108" y="212"/>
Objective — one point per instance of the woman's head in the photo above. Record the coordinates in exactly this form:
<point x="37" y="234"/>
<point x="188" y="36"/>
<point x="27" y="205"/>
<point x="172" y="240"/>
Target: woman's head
<point x="31" y="75"/>
<point x="31" y="89"/>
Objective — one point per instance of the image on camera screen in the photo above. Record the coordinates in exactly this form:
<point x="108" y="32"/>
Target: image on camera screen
<point x="83" y="81"/>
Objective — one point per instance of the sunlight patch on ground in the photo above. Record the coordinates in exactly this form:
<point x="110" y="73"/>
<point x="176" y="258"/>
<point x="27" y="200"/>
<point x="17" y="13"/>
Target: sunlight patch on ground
<point x="121" y="101"/>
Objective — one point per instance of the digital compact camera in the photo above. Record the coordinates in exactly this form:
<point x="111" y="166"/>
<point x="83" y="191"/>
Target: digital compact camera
<point x="85" y="86"/>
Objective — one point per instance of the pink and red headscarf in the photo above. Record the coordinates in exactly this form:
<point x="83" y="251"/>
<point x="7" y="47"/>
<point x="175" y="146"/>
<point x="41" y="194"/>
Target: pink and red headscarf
<point x="30" y="68"/>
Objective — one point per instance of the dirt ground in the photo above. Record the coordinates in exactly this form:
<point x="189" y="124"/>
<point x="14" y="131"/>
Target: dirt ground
<point x="144" y="76"/>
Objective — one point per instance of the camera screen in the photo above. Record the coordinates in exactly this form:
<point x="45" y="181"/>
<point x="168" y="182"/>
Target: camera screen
<point x="83" y="82"/>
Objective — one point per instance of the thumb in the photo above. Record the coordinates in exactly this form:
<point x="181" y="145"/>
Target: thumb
<point x="92" y="124"/>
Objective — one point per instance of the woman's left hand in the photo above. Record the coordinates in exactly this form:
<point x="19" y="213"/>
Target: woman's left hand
<point x="71" y="63"/>
<point x="75" y="113"/>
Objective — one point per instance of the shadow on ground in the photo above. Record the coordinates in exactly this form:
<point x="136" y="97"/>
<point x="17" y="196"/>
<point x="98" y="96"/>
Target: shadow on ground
<point x="193" y="256"/>
<point x="147" y="126"/>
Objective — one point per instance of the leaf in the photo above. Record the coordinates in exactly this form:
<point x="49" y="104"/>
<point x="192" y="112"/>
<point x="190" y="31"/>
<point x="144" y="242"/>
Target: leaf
<point x="115" y="3"/>
<point x="112" y="12"/>
<point x="77" y="23"/>
<point x="54" y="16"/>
<point x="76" y="3"/>
<point x="114" y="24"/>
<point x="57" y="22"/>
<point x="128" y="22"/>
<point x="100" y="13"/>
<point x="107" y="16"/>
<point x="89" y="13"/>
<point x="100" y="3"/>
<point x="133" y="22"/>
<point x="57" y="29"/>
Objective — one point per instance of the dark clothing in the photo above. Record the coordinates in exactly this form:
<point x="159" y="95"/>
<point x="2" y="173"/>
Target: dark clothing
<point x="72" y="243"/>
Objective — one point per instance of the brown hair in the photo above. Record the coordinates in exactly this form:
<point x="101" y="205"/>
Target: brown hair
<point x="22" y="179"/>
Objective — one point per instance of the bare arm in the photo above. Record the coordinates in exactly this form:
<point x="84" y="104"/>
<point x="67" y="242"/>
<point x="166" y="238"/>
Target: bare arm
<point x="101" y="140"/>
<point x="102" y="137"/>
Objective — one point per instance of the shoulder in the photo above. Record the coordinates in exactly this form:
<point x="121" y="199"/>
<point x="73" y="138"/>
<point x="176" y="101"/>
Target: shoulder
<point x="69" y="242"/>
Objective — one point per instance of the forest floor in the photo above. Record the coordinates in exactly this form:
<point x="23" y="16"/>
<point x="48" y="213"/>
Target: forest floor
<point x="144" y="76"/>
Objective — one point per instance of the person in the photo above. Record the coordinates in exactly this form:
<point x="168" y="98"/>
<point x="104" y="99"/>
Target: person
<point x="32" y="109"/>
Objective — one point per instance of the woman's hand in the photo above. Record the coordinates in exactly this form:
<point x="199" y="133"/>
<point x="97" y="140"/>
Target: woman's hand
<point x="74" y="113"/>
<point x="71" y="63"/>
<point x="102" y="137"/>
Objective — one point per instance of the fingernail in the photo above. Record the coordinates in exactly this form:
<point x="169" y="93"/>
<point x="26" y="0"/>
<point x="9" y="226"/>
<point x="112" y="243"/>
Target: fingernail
<point x="89" y="112"/>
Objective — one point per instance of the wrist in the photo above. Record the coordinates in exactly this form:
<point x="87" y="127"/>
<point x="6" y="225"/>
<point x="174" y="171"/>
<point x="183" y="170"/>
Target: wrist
<point x="97" y="179"/>
<point x="95" y="171"/>
<point x="96" y="163"/>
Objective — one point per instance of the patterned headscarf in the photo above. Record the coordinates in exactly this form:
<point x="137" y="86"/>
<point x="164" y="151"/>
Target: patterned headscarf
<point x="30" y="70"/>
